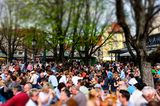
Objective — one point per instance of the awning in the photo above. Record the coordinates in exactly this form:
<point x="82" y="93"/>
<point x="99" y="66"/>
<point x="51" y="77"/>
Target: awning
<point x="2" y="55"/>
<point x="127" y="54"/>
<point x="134" y="52"/>
<point x="123" y="50"/>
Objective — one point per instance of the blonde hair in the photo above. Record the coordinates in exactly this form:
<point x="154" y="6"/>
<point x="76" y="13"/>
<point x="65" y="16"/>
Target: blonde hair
<point x="93" y="93"/>
<point x="32" y="91"/>
<point x="46" y="87"/>
<point x="110" y="100"/>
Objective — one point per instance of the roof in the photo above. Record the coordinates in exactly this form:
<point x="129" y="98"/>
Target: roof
<point x="118" y="50"/>
<point x="116" y="28"/>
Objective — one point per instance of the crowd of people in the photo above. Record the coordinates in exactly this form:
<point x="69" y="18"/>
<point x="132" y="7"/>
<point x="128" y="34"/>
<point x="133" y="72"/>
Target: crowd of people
<point x="51" y="84"/>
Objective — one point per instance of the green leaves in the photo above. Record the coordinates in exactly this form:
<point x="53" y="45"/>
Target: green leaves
<point x="70" y="23"/>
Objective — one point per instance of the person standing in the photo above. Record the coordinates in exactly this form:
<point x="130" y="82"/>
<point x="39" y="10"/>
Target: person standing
<point x="33" y="101"/>
<point x="148" y="94"/>
<point x="124" y="98"/>
<point x="34" y="79"/>
<point x="20" y="98"/>
<point x="53" y="80"/>
<point x="78" y="96"/>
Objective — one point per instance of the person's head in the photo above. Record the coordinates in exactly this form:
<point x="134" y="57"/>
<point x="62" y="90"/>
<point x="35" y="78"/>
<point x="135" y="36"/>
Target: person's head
<point x="14" y="78"/>
<point x="124" y="96"/>
<point x="101" y="81"/>
<point x="69" y="83"/>
<point x="74" y="90"/>
<point x="6" y="72"/>
<point x="93" y="94"/>
<point x="27" y="87"/>
<point x="153" y="103"/>
<point x="131" y="75"/>
<point x="80" y="82"/>
<point x="16" y="89"/>
<point x="71" y="102"/>
<point x="42" y="75"/>
<point x="61" y="85"/>
<point x="140" y="86"/>
<point x="0" y="78"/>
<point x="111" y="100"/>
<point x="33" y="94"/>
<point x="46" y="87"/>
<point x="149" y="93"/>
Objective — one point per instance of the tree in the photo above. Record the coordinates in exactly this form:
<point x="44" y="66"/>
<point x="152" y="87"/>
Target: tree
<point x="10" y="32"/>
<point x="54" y="17"/>
<point x="93" y="25"/>
<point x="143" y="13"/>
<point x="38" y="35"/>
<point x="69" y="23"/>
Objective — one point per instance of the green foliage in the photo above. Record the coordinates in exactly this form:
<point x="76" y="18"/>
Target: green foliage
<point x="71" y="23"/>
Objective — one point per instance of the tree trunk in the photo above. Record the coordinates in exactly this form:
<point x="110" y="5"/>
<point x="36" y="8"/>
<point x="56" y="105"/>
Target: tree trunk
<point x="10" y="57"/>
<point x="86" y="60"/>
<point x="61" y="52"/>
<point x="55" y="53"/>
<point x="72" y="52"/>
<point x="146" y="73"/>
<point x="145" y="69"/>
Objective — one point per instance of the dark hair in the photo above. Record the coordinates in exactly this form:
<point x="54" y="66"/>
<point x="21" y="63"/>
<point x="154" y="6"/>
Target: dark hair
<point x="125" y="94"/>
<point x="68" y="93"/>
<point x="18" y="87"/>
<point x="81" y="82"/>
<point x="140" y="86"/>
<point x="153" y="103"/>
<point x="100" y="80"/>
<point x="131" y="75"/>
<point x="14" y="78"/>
<point x="61" y="85"/>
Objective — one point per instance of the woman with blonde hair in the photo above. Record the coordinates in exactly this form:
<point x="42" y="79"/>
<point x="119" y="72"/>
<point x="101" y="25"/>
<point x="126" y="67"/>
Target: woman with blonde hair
<point x="46" y="95"/>
<point x="110" y="100"/>
<point x="94" y="98"/>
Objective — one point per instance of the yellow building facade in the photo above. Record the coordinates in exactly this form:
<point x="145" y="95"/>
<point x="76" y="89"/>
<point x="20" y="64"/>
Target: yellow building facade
<point x="116" y="41"/>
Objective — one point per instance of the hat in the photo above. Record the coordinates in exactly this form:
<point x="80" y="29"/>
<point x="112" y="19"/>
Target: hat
<point x="84" y="90"/>
<point x="158" y="66"/>
<point x="97" y="86"/>
<point x="132" y="81"/>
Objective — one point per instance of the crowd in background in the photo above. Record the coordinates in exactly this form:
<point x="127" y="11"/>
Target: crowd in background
<point x="51" y="84"/>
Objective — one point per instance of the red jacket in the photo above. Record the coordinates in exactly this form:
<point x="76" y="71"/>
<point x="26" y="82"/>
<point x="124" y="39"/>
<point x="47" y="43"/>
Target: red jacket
<point x="18" y="100"/>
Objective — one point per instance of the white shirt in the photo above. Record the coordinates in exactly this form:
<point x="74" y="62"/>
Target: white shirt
<point x="132" y="81"/>
<point x="30" y="103"/>
<point x="34" y="79"/>
<point x="98" y="66"/>
<point x="43" y="96"/>
<point x="122" y="74"/>
<point x="11" y="68"/>
<point x="57" y="92"/>
<point x="140" y="101"/>
<point x="75" y="79"/>
<point x="136" y="94"/>
<point x="63" y="79"/>
<point x="53" y="80"/>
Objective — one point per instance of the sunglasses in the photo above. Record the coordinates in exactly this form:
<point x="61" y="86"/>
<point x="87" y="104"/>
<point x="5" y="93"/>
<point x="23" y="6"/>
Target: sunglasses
<point x="37" y="94"/>
<point x="63" y="89"/>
